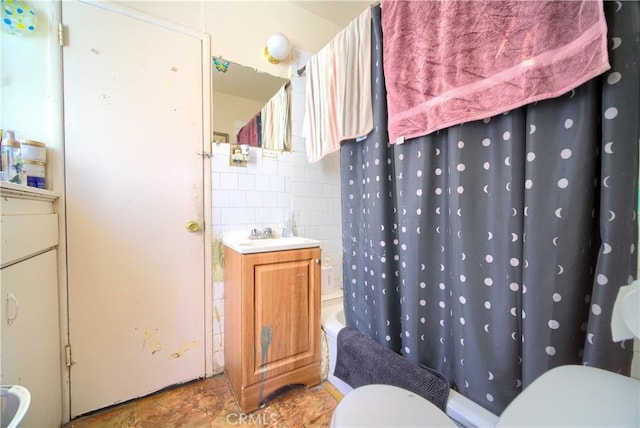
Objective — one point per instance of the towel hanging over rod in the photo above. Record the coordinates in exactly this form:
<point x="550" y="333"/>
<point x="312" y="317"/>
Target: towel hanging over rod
<point x="302" y="69"/>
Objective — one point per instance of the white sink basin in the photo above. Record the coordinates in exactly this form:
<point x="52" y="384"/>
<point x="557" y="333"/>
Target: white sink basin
<point x="243" y="245"/>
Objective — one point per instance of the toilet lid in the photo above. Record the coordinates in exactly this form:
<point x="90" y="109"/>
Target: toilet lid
<point x="576" y="396"/>
<point x="387" y="406"/>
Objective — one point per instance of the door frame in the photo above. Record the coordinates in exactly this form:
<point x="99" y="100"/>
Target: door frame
<point x="57" y="173"/>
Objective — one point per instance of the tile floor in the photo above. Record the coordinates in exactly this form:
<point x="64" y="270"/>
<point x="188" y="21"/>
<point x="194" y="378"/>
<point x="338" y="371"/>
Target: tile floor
<point x="210" y="403"/>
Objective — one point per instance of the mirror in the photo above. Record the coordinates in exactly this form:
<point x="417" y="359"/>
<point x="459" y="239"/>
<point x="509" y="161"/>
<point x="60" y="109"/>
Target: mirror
<point x="241" y="98"/>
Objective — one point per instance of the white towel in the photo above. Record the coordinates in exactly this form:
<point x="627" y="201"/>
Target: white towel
<point x="276" y="120"/>
<point x="338" y="90"/>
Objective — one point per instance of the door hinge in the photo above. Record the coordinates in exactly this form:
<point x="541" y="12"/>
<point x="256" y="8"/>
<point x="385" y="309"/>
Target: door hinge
<point x="67" y="356"/>
<point x="61" y="34"/>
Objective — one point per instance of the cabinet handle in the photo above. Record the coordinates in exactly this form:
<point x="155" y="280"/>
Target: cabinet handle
<point x="318" y="261"/>
<point x="12" y="310"/>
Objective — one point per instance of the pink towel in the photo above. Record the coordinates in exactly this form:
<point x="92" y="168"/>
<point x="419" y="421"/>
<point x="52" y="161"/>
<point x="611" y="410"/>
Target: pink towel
<point x="248" y="134"/>
<point x="449" y="62"/>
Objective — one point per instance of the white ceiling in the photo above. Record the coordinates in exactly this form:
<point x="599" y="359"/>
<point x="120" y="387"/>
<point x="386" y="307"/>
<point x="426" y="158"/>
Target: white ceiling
<point x="337" y="12"/>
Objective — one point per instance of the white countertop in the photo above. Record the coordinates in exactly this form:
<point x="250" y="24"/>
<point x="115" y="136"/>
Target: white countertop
<point x="239" y="241"/>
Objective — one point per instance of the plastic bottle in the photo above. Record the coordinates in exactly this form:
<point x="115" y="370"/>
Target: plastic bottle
<point x="287" y="231"/>
<point x="11" y="159"/>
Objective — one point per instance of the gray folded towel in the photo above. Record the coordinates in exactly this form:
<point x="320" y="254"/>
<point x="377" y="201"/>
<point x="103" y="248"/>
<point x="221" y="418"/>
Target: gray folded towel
<point x="362" y="361"/>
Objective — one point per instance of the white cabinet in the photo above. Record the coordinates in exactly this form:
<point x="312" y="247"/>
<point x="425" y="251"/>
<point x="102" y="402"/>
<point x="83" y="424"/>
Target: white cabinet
<point x="29" y="318"/>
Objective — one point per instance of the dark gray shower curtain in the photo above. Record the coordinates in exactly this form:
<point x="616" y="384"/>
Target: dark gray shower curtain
<point x="492" y="251"/>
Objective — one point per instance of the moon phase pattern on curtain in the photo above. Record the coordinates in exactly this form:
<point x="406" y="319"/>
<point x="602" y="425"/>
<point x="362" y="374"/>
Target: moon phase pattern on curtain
<point x="493" y="251"/>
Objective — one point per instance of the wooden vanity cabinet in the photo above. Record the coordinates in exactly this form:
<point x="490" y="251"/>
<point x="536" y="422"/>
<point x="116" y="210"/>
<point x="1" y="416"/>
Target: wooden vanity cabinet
<point x="272" y="322"/>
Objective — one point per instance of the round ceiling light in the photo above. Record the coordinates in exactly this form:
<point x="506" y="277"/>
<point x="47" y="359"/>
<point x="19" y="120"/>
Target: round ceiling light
<point x="277" y="49"/>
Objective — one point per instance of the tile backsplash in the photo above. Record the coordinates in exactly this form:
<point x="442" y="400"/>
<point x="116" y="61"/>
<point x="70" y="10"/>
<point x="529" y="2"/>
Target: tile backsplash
<point x="253" y="196"/>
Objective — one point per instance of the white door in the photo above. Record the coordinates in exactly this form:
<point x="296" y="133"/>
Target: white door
<point x="133" y="106"/>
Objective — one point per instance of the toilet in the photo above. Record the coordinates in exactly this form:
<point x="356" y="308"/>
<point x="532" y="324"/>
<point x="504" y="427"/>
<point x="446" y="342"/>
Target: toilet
<point x="15" y="401"/>
<point x="563" y="396"/>
<point x="387" y="406"/>
<point x="571" y="395"/>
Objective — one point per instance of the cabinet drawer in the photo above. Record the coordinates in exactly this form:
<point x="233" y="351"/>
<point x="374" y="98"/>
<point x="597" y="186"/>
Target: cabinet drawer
<point x="26" y="235"/>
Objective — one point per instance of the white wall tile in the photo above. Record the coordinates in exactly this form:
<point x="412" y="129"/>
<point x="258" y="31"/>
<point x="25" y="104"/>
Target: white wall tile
<point x="284" y="201"/>
<point x="238" y="199"/>
<point x="316" y="217"/>
<point x="218" y="291"/>
<point x="255" y="164"/>
<point x="229" y="215"/>
<point x="299" y="99"/>
<point x="277" y="215"/>
<point x="220" y="162"/>
<point x="215" y="181"/>
<point x="216" y="218"/>
<point x="247" y="216"/>
<point x="277" y="184"/>
<point x="299" y="150"/>
<point x="330" y="190"/>
<point x="270" y="167"/>
<point x="255" y="199"/>
<point x="296" y="126"/>
<point x="285" y="169"/>
<point x="270" y="200"/>
<point x="218" y="327"/>
<point x="221" y="198"/>
<point x="303" y="56"/>
<point x="262" y="183"/>
<point x="228" y="181"/>
<point x="263" y="216"/>
<point x="246" y="182"/>
<point x="218" y="359"/>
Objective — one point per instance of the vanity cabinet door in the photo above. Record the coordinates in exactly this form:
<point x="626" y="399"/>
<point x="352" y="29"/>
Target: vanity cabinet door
<point x="284" y="325"/>
<point x="272" y="322"/>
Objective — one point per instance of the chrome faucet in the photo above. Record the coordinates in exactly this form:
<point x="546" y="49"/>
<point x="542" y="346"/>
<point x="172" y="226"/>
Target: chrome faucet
<point x="266" y="233"/>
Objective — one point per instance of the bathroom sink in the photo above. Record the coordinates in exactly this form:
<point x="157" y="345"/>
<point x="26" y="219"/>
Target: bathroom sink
<point x="243" y="245"/>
